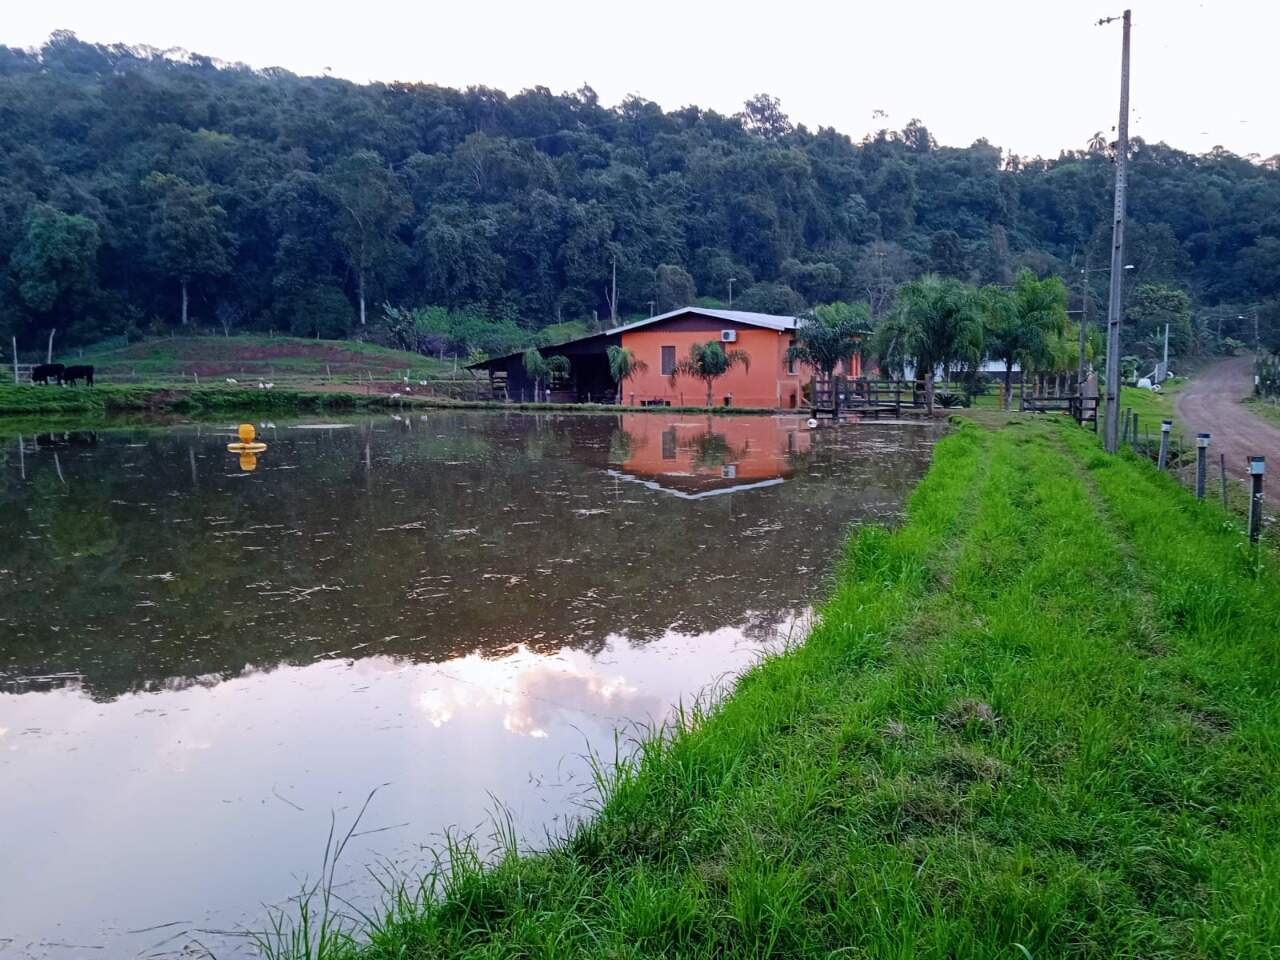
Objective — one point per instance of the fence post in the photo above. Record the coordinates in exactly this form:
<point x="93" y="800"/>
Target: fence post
<point x="1257" y="469"/>
<point x="1222" y="466"/>
<point x="1133" y="432"/>
<point x="1165" y="427"/>
<point x="15" y="359"/>
<point x="1202" y="463"/>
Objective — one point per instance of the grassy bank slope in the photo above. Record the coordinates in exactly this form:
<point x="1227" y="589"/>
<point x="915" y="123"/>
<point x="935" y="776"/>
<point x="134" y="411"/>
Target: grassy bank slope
<point x="1038" y="720"/>
<point x="116" y="398"/>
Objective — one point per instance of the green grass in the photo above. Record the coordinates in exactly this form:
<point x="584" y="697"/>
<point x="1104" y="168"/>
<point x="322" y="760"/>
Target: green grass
<point x="1267" y="409"/>
<point x="1040" y="719"/>
<point x="280" y="359"/>
<point x="26" y="399"/>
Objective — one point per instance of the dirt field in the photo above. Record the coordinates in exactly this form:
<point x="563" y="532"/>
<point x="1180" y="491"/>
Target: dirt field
<point x="1211" y="404"/>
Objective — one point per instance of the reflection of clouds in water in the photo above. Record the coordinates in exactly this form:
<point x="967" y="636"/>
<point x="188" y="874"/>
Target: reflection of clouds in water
<point x="545" y="694"/>
<point x="533" y="691"/>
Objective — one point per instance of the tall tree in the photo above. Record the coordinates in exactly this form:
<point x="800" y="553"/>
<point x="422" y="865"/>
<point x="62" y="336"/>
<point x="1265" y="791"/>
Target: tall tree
<point x="937" y="323"/>
<point x="372" y="203"/>
<point x="1019" y="324"/>
<point x="188" y="237"/>
<point x="709" y="362"/>
<point x="56" y="264"/>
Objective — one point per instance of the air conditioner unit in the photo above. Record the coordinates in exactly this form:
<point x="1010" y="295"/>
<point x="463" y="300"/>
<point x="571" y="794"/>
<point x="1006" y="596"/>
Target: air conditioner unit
<point x="728" y="336"/>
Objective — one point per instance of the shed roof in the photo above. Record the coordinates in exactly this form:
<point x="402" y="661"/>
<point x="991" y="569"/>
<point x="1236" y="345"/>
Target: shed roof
<point x="769" y="321"/>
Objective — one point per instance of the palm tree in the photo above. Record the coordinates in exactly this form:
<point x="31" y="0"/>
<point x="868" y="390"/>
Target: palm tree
<point x="709" y="362"/>
<point x="1097" y="143"/>
<point x="937" y="323"/>
<point x="540" y="368"/>
<point x="623" y="365"/>
<point x="1040" y="312"/>
<point x="827" y="336"/>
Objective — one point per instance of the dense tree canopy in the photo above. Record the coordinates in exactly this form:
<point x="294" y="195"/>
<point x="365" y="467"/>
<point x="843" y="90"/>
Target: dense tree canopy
<point x="130" y="181"/>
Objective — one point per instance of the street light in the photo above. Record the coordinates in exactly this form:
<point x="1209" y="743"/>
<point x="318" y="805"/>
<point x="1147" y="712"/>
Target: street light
<point x="731" y="280"/>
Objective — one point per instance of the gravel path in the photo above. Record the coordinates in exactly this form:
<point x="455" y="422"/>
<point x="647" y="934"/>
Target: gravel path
<point x="1211" y="404"/>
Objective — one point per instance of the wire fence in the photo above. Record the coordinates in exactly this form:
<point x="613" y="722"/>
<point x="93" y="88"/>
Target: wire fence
<point x="1193" y="463"/>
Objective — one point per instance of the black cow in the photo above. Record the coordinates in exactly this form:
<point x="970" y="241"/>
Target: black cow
<point x="79" y="372"/>
<point x="42" y="372"/>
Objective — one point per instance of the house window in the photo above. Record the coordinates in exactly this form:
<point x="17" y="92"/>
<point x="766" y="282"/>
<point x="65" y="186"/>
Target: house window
<point x="668" y="361"/>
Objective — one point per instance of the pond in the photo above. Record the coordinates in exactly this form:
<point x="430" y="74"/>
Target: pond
<point x="202" y="667"/>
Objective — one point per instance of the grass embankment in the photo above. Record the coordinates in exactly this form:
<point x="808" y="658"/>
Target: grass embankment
<point x="116" y="398"/>
<point x="1040" y="719"/>
<point x="1267" y="409"/>
<point x="28" y="400"/>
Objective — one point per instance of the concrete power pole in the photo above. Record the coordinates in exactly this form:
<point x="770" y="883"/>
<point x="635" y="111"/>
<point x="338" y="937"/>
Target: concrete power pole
<point x="1110" y="438"/>
<point x="613" y="297"/>
<point x="1084" y="326"/>
<point x="1164" y="370"/>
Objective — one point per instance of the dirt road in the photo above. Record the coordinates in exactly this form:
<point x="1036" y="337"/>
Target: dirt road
<point x="1211" y="404"/>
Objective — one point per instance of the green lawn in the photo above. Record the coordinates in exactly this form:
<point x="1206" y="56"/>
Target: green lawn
<point x="1039" y="719"/>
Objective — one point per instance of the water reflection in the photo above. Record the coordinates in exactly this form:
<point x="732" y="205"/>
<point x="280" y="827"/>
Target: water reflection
<point x="707" y="456"/>
<point x="198" y="664"/>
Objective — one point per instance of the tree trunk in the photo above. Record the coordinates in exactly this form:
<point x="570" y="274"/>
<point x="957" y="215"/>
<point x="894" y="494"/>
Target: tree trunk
<point x="184" y="303"/>
<point x="1008" y="383"/>
<point x="48" y="357"/>
<point x="711" y="386"/>
<point x="361" y="282"/>
<point x="620" y="387"/>
<point x="928" y="394"/>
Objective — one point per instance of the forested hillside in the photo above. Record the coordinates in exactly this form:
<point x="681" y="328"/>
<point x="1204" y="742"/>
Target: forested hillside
<point x="139" y="190"/>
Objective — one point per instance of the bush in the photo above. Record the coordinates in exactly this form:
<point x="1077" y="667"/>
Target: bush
<point x="949" y="400"/>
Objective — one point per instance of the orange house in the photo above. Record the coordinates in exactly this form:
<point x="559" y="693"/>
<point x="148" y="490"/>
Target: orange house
<point x="769" y="379"/>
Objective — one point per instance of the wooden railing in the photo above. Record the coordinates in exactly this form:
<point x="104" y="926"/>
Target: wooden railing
<point x="831" y="397"/>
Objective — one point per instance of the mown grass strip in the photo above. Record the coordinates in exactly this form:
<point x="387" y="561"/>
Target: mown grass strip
<point x="975" y="754"/>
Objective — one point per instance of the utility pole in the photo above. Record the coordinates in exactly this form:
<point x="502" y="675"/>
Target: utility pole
<point x="1164" y="370"/>
<point x="731" y="279"/>
<point x="1084" y="326"/>
<point x="613" y="296"/>
<point x="1110" y="437"/>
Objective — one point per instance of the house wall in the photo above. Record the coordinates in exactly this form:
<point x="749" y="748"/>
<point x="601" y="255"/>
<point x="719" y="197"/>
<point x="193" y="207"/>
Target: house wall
<point x="765" y="383"/>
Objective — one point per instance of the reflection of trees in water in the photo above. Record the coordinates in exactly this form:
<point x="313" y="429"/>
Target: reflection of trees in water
<point x="712" y="450"/>
<point x="466" y="532"/>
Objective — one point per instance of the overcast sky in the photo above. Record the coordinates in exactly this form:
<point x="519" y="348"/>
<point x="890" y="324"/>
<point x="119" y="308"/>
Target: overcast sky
<point x="1032" y="76"/>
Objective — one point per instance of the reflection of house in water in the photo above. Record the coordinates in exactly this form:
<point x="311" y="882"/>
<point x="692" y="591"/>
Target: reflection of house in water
<point x="694" y="457"/>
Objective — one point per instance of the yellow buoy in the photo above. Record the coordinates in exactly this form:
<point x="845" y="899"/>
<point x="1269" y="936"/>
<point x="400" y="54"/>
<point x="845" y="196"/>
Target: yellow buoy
<point x="247" y="447"/>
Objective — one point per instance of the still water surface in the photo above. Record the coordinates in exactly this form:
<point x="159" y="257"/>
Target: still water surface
<point x="200" y="666"/>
